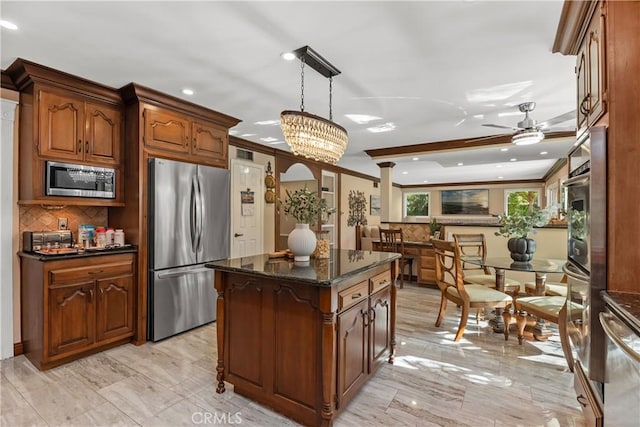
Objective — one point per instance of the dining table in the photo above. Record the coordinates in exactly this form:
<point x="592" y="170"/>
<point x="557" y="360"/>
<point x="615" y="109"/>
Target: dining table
<point x="539" y="266"/>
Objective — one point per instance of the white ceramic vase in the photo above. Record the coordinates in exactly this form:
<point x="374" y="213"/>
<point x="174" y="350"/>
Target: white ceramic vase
<point x="302" y="242"/>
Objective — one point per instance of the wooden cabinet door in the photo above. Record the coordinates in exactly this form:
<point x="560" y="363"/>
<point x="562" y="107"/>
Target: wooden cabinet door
<point x="103" y="134"/>
<point x="209" y="141"/>
<point x="114" y="308"/>
<point x="166" y="131"/>
<point x="353" y="350"/>
<point x="71" y="318"/>
<point x="582" y="89"/>
<point x="379" y="327"/>
<point x="595" y="53"/>
<point x="60" y="126"/>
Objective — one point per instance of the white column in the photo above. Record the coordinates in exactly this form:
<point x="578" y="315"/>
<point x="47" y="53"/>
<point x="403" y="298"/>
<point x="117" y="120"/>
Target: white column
<point x="386" y="189"/>
<point x="7" y="112"/>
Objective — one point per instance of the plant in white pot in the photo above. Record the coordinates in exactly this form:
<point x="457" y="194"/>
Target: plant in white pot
<point x="518" y="226"/>
<point x="305" y="207"/>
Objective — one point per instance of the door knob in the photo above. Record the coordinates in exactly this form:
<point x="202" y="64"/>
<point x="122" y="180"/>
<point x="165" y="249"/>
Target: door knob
<point x="238" y="235"/>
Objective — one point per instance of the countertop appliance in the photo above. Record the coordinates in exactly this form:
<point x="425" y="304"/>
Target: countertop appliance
<point x="37" y="240"/>
<point x="586" y="268"/>
<point x="67" y="179"/>
<point x="621" y="324"/>
<point x="189" y="225"/>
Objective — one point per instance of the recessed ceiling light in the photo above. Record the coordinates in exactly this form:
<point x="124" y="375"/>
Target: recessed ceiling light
<point x="8" y="25"/>
<point x="361" y="119"/>
<point x="513" y="160"/>
<point x="268" y="139"/>
<point x="478" y="116"/>
<point x="543" y="152"/>
<point x="498" y="166"/>
<point x="405" y="173"/>
<point x="425" y="181"/>
<point x="460" y="164"/>
<point x="275" y="142"/>
<point x="268" y="122"/>
<point x="382" y="128"/>
<point x="504" y="149"/>
<point x="416" y="158"/>
<point x="289" y="56"/>
<point x="188" y="91"/>
<point x="500" y="177"/>
<point x="233" y="132"/>
<point x="248" y="134"/>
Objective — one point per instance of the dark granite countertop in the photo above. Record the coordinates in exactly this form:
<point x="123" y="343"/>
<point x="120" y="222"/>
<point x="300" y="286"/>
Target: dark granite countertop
<point x="85" y="254"/>
<point x="341" y="264"/>
<point x="626" y="305"/>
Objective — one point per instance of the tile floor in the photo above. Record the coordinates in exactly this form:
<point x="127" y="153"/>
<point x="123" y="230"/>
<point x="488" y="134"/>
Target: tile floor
<point x="480" y="381"/>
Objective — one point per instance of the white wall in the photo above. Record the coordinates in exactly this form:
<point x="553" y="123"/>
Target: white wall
<point x="7" y="203"/>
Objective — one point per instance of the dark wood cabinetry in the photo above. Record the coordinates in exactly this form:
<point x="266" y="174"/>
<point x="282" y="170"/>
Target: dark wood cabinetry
<point x="68" y="119"/>
<point x="590" y="72"/>
<point x="304" y="349"/>
<point x="76" y="306"/>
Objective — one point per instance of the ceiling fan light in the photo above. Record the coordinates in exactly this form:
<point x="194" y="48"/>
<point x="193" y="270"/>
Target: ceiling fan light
<point x="527" y="137"/>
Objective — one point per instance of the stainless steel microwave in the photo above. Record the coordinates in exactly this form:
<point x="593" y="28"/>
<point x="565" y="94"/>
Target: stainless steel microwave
<point x="66" y="179"/>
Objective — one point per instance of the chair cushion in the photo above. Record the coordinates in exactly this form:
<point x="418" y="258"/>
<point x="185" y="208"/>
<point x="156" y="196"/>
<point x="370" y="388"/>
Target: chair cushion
<point x="375" y="231"/>
<point x="546" y="306"/>
<point x="366" y="231"/>
<point x="552" y="288"/>
<point x="488" y="280"/>
<point x="479" y="293"/>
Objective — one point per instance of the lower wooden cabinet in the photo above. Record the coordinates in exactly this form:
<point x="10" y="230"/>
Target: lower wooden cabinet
<point x="587" y="397"/>
<point x="427" y="266"/>
<point x="74" y="307"/>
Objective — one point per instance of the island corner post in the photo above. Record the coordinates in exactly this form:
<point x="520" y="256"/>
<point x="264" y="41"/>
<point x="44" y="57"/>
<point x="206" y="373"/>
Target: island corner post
<point x="304" y="347"/>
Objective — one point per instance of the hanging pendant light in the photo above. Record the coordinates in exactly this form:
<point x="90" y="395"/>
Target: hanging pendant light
<point x="309" y="135"/>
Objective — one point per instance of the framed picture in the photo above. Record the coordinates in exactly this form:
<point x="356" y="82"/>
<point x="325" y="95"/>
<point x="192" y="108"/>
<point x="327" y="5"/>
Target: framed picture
<point x="465" y="202"/>
<point x="375" y="205"/>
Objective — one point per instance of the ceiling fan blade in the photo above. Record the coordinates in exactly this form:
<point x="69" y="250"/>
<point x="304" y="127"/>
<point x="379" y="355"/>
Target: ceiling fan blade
<point x="490" y="125"/>
<point x="570" y="115"/>
<point x="485" y="138"/>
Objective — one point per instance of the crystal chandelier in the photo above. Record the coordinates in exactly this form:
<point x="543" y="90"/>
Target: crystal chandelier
<point x="308" y="135"/>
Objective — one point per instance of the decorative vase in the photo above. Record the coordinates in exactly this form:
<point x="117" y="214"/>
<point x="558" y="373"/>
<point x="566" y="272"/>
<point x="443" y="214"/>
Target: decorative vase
<point x="521" y="248"/>
<point x="302" y="242"/>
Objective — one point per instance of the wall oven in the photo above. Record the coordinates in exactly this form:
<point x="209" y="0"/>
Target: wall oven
<point x="586" y="251"/>
<point x="66" y="179"/>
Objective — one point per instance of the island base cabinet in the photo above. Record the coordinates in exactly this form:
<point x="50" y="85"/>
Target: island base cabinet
<point x="303" y="350"/>
<point x="75" y="307"/>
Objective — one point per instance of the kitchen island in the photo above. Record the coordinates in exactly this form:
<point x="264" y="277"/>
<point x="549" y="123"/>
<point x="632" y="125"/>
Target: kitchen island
<point x="304" y="338"/>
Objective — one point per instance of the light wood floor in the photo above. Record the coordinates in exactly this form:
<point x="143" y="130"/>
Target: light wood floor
<point x="480" y="381"/>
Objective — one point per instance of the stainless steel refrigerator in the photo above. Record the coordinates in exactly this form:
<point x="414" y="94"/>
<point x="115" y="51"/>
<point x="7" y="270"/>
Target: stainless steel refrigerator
<point x="189" y="215"/>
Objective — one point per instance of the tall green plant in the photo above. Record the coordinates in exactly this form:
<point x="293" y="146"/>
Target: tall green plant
<point x="521" y="224"/>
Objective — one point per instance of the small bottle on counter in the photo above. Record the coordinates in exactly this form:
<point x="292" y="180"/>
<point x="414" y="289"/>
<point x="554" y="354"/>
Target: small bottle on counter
<point x="118" y="237"/>
<point x="101" y="237"/>
<point x="110" y="234"/>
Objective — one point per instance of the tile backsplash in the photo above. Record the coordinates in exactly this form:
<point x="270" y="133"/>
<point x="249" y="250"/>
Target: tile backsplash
<point x="38" y="218"/>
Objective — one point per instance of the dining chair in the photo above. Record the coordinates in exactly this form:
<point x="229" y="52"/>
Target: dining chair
<point x="475" y="246"/>
<point x="550" y="308"/>
<point x="454" y="289"/>
<point x="391" y="240"/>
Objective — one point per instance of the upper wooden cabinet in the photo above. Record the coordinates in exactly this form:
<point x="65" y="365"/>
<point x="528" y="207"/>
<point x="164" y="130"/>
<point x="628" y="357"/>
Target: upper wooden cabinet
<point x="71" y="128"/>
<point x="69" y="119"/>
<point x="176" y="129"/>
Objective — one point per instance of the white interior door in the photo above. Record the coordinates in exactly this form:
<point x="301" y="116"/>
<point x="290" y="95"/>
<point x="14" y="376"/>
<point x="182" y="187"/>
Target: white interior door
<point x="246" y="213"/>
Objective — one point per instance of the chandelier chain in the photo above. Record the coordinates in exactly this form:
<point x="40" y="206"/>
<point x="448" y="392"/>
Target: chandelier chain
<point x="330" y="97"/>
<point x="302" y="83"/>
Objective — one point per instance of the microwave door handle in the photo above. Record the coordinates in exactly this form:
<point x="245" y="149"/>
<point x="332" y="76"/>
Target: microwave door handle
<point x="192" y="215"/>
<point x="577" y="180"/>
<point x="605" y="319"/>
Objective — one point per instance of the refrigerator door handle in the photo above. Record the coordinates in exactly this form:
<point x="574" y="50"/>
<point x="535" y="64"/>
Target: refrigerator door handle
<point x="193" y="215"/>
<point x="200" y="214"/>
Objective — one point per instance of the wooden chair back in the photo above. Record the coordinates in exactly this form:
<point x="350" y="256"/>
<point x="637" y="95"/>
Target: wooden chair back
<point x="391" y="241"/>
<point x="472" y="246"/>
<point x="448" y="267"/>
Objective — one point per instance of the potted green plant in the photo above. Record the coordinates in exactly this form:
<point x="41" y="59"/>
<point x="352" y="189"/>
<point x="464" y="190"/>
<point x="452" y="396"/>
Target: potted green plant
<point x="305" y="207"/>
<point x="518" y="226"/>
<point x="434" y="226"/>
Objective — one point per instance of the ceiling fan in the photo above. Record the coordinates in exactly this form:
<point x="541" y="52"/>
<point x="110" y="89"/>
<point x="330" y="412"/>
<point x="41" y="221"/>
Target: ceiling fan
<point x="529" y="131"/>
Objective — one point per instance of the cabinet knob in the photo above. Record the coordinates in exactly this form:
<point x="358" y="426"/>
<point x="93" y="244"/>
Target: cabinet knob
<point x="86" y="146"/>
<point x="79" y="146"/>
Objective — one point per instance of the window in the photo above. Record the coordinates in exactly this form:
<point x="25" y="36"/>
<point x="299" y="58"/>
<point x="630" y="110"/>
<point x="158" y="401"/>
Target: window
<point x="520" y="200"/>
<point x="416" y="204"/>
